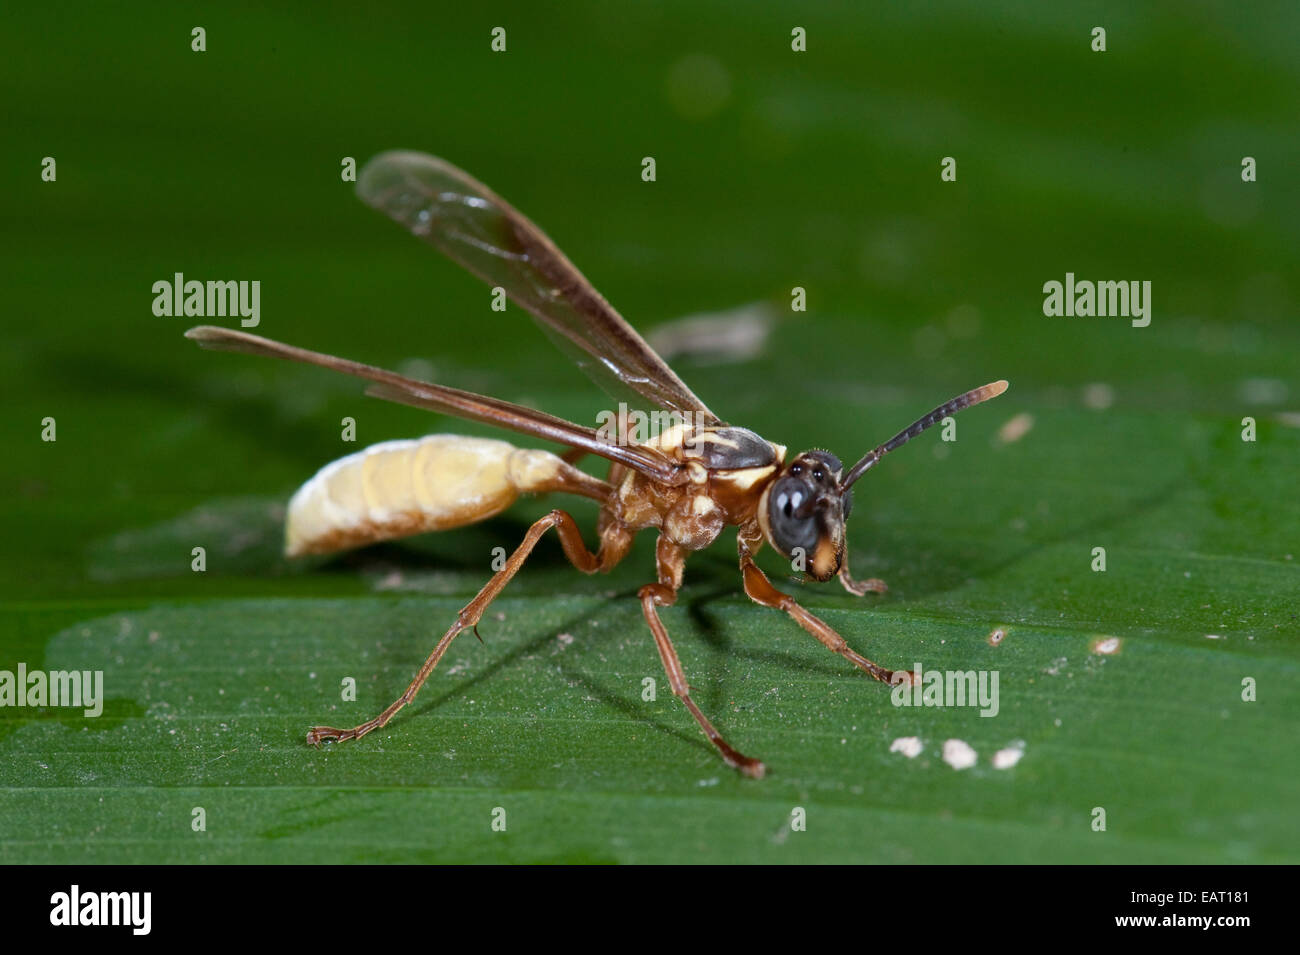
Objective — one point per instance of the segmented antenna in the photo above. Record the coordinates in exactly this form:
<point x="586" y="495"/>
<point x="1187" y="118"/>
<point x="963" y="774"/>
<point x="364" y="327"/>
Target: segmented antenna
<point x="973" y="397"/>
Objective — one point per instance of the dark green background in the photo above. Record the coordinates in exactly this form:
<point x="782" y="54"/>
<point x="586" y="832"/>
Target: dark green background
<point x="819" y="170"/>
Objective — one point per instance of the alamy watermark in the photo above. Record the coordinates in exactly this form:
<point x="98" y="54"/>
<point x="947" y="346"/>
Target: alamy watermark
<point x="195" y="299"/>
<point x="626" y="426"/>
<point x="1085" y="299"/>
<point x="947" y="688"/>
<point x="75" y="907"/>
<point x="75" y="688"/>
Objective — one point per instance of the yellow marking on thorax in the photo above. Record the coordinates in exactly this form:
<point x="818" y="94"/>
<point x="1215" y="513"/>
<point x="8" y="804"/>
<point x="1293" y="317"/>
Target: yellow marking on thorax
<point x="743" y="479"/>
<point x="703" y="504"/>
<point x="671" y="439"/>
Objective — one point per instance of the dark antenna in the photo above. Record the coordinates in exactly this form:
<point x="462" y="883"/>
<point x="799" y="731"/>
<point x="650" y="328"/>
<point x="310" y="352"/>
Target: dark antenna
<point x="973" y="397"/>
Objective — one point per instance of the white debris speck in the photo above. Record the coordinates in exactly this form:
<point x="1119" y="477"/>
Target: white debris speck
<point x="997" y="636"/>
<point x="1213" y="636"/>
<point x="717" y="337"/>
<point x="1008" y="757"/>
<point x="1016" y="428"/>
<point x="393" y="581"/>
<point x="565" y="639"/>
<point x="1098" y="396"/>
<point x="909" y="746"/>
<point x="1106" y="645"/>
<point x="1056" y="666"/>
<point x="1262" y="391"/>
<point x="958" y="754"/>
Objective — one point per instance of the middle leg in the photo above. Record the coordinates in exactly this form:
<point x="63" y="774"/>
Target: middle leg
<point x="652" y="597"/>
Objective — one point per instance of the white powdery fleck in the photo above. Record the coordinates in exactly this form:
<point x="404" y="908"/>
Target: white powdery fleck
<point x="1098" y="396"/>
<point x="1016" y="428"/>
<point x="1006" y="758"/>
<point x="909" y="746"/>
<point x="1262" y="391"/>
<point x="565" y="639"/>
<point x="1106" y="646"/>
<point x="393" y="581"/>
<point x="958" y="754"/>
<point x="716" y="337"/>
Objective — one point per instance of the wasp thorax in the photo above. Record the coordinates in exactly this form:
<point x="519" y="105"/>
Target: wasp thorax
<point x="805" y="512"/>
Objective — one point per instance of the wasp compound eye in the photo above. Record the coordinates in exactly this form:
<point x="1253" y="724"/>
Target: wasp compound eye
<point x="791" y="516"/>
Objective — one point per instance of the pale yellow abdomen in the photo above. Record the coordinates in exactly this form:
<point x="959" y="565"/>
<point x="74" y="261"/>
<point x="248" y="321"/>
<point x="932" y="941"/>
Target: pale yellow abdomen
<point x="400" y="488"/>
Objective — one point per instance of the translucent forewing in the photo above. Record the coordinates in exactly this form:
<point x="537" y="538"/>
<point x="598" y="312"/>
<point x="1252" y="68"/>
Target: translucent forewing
<point x="480" y="231"/>
<point x="453" y="401"/>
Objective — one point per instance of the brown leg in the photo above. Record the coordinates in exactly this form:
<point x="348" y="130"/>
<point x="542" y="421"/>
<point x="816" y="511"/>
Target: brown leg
<point x="760" y="590"/>
<point x="574" y="549"/>
<point x="660" y="595"/>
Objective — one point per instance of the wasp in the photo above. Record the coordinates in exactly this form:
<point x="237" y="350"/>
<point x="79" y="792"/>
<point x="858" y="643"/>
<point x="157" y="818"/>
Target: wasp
<point x="688" y="481"/>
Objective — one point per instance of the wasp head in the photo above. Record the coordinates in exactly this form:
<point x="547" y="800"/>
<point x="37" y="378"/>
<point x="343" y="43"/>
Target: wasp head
<point x="804" y="510"/>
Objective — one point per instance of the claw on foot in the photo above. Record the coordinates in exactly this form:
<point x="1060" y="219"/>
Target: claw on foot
<point x="319" y="734"/>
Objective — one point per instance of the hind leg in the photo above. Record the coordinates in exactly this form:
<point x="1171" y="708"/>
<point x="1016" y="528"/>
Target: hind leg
<point x="613" y="546"/>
